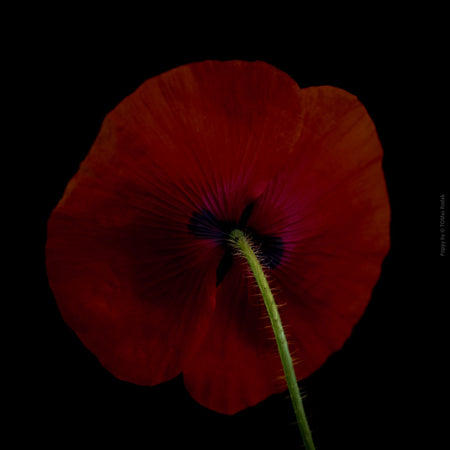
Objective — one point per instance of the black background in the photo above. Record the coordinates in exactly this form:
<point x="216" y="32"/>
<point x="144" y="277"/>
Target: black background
<point x="370" y="394"/>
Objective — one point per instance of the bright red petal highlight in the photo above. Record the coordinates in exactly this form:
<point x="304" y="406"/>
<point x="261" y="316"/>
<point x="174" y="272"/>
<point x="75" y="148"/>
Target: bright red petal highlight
<point x="140" y="304"/>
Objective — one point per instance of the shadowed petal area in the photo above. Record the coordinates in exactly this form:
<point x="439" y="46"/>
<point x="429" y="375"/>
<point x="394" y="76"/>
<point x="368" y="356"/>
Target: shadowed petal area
<point x="138" y="297"/>
<point x="237" y="365"/>
<point x="331" y="209"/>
<point x="129" y="278"/>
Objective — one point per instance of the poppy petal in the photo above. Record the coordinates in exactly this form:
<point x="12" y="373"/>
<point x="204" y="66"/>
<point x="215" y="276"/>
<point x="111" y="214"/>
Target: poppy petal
<point x="137" y="304"/>
<point x="219" y="131"/>
<point x="330" y="208"/>
<point x="129" y="278"/>
<point x="237" y="364"/>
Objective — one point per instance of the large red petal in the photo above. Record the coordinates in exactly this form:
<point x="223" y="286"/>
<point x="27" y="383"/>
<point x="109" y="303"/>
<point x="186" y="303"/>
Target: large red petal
<point x="138" y="295"/>
<point x="129" y="278"/>
<point x="219" y="131"/>
<point x="331" y="208"/>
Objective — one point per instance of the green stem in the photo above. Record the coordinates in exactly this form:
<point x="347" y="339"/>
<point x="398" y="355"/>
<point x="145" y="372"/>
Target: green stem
<point x="245" y="249"/>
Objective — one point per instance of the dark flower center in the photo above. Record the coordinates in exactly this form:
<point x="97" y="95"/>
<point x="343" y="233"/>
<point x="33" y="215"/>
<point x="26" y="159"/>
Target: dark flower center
<point x="204" y="225"/>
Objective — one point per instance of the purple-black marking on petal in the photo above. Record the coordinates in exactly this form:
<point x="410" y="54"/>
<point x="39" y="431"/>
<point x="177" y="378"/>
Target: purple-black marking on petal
<point x="204" y="225"/>
<point x="245" y="215"/>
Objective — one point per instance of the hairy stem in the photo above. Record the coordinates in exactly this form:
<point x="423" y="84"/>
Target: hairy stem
<point x="244" y="247"/>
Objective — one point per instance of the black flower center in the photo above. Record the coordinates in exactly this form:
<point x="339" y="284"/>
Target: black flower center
<point x="204" y="225"/>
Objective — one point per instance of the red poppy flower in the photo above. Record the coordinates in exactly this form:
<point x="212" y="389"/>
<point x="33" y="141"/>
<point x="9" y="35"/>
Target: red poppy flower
<point x="137" y="251"/>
